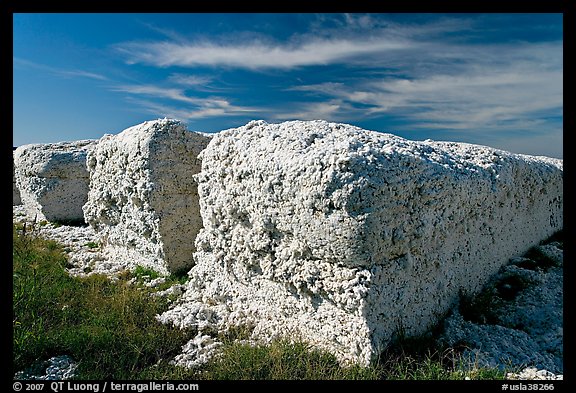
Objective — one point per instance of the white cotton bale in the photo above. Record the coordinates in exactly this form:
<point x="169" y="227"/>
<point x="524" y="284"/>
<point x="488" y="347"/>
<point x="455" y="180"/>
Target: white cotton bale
<point x="344" y="237"/>
<point x="16" y="200"/>
<point x="53" y="180"/>
<point x="143" y="200"/>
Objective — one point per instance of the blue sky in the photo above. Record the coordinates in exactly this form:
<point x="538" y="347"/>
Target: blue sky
<point x="492" y="79"/>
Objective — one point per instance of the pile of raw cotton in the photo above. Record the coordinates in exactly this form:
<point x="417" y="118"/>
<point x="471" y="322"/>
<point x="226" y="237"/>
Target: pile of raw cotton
<point x="51" y="179"/>
<point x="142" y="198"/>
<point x="343" y="237"/>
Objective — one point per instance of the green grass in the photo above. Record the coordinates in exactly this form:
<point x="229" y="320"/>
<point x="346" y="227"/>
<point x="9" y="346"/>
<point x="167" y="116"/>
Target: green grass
<point x="141" y="272"/>
<point x="92" y="245"/>
<point x="419" y="358"/>
<point x="110" y="329"/>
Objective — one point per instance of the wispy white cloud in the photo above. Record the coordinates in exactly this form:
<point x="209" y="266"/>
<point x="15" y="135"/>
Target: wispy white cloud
<point x="166" y="32"/>
<point x="200" y="83"/>
<point x="188" y="107"/>
<point x="82" y="74"/>
<point x="451" y="86"/>
<point x="182" y="106"/>
<point x="190" y="80"/>
<point x="449" y="101"/>
<point x="208" y="109"/>
<point x="254" y="55"/>
<point x="350" y="38"/>
<point x="157" y="92"/>
<point x="61" y="72"/>
<point x="334" y="109"/>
